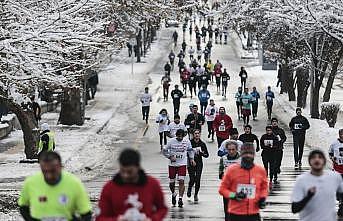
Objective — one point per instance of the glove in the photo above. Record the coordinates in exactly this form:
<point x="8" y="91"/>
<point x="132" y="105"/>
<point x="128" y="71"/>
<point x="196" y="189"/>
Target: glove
<point x="238" y="196"/>
<point x="161" y="121"/>
<point x="262" y="203"/>
<point x="257" y="149"/>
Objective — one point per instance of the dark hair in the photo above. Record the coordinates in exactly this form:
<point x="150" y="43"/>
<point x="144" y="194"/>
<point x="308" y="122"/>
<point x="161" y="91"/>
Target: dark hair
<point x="163" y="111"/>
<point x="297" y="109"/>
<point x="129" y="157"/>
<point x="146" y="88"/>
<point x="340" y="131"/>
<point x="269" y="127"/>
<point x="274" y="119"/>
<point x="195" y="106"/>
<point x="180" y="132"/>
<point x="176" y="116"/>
<point x="248" y="126"/>
<point x="315" y="152"/>
<point x="234" y="131"/>
<point x="48" y="157"/>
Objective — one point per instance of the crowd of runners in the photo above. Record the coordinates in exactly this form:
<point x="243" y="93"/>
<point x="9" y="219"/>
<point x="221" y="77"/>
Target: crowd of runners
<point x="132" y="195"/>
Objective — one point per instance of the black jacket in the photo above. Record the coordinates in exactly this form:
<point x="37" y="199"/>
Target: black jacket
<point x="198" y="157"/>
<point x="176" y="95"/>
<point x="198" y="118"/>
<point x="249" y="138"/>
<point x="299" y="124"/>
<point x="280" y="132"/>
<point x="273" y="140"/>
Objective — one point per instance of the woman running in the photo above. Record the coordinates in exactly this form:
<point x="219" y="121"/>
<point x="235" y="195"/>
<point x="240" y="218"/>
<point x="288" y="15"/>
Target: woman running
<point x="163" y="121"/>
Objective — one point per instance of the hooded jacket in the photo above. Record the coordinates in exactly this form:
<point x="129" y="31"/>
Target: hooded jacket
<point x="222" y="125"/>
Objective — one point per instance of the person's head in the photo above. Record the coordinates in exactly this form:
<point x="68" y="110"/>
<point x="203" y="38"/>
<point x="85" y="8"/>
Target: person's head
<point x="340" y="134"/>
<point x="269" y="130"/>
<point x="195" y="109"/>
<point x="32" y="98"/>
<point x="274" y="122"/>
<point x="177" y="118"/>
<point x="234" y="134"/>
<point x="191" y="107"/>
<point x="129" y="165"/>
<point x="246" y="90"/>
<point x="51" y="166"/>
<point x="247" y="129"/>
<point x="176" y="86"/>
<point x="298" y="111"/>
<point x="218" y="61"/>
<point x="167" y="62"/>
<point x="180" y="134"/>
<point x="222" y="110"/>
<point x="224" y="69"/>
<point x="45" y="126"/>
<point x="196" y="134"/>
<point x="232" y="148"/>
<point x="269" y="88"/>
<point x="240" y="89"/>
<point x="171" y="51"/>
<point x="280" y="66"/>
<point x="317" y="160"/>
<point x="204" y="87"/>
<point x="254" y="88"/>
<point x="164" y="111"/>
<point x="210" y="61"/>
<point x="191" y="47"/>
<point x="242" y="68"/>
<point x="247" y="155"/>
<point x="212" y="102"/>
<point x="146" y="89"/>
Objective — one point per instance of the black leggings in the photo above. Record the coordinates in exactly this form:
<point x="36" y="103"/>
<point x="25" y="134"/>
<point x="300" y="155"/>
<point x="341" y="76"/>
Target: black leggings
<point x="254" y="109"/>
<point x="298" y="143"/>
<point x="191" y="88"/>
<point x="163" y="138"/>
<point x="145" y="112"/>
<point x="224" y="86"/>
<point x="255" y="217"/>
<point x="226" y="204"/>
<point x="269" y="161"/>
<point x="210" y="128"/>
<point x="203" y="106"/>
<point x="269" y="109"/>
<point x="195" y="177"/>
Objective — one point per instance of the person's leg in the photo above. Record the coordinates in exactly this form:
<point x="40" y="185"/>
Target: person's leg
<point x="296" y="148"/>
<point x="191" y="172"/>
<point x="279" y="161"/>
<point x="172" y="176"/>
<point x="301" y="147"/>
<point x="165" y="137"/>
<point x="178" y="107"/>
<point x="175" y="107"/>
<point x="198" y="178"/>
<point x="220" y="141"/>
<point x="143" y="112"/>
<point x="147" y="110"/>
<point x="209" y="128"/>
<point x="265" y="161"/>
<point x="225" y="206"/>
<point x="182" y="170"/>
<point x="238" y="110"/>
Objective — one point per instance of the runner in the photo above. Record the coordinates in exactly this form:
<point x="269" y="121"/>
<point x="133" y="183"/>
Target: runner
<point x="225" y="79"/>
<point x="204" y="79"/>
<point x="203" y="95"/>
<point x="243" y="75"/>
<point x="280" y="134"/>
<point x="192" y="84"/>
<point x="246" y="186"/>
<point x="200" y="150"/>
<point x="336" y="156"/>
<point x="238" y="97"/>
<point x="183" y="46"/>
<point x="176" y="95"/>
<point x="165" y="81"/>
<point x="269" y="99"/>
<point x="222" y="125"/>
<point x="270" y="146"/>
<point x="131" y="191"/>
<point x="53" y="194"/>
<point x="225" y="32"/>
<point x="175" y="37"/>
<point x="199" y="53"/>
<point x="210" y="114"/>
<point x="234" y="135"/>
<point x="246" y="105"/>
<point x="194" y="120"/>
<point x="210" y="67"/>
<point x="230" y="158"/>
<point x="146" y="99"/>
<point x="163" y="120"/>
<point x="249" y="137"/>
<point x="255" y="96"/>
<point x="314" y="192"/>
<point x="185" y="74"/>
<point x="218" y="74"/>
<point x="171" y="57"/>
<point x="191" y="52"/>
<point x="176" y="151"/>
<point x="167" y="68"/>
<point x="176" y="125"/>
<point x="298" y="125"/>
<point x="47" y="139"/>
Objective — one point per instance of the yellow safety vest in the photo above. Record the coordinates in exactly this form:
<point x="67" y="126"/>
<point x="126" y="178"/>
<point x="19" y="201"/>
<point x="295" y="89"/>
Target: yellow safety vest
<point x="50" y="144"/>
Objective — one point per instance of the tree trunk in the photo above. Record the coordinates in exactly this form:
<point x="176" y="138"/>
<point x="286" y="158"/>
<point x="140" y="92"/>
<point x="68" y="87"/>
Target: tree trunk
<point x="28" y="125"/>
<point x="72" y="108"/>
<point x="139" y="45"/>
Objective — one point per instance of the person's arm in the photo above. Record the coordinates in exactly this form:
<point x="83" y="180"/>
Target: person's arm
<point x="307" y="124"/>
<point x="105" y="206"/>
<point x="300" y="205"/>
<point x="83" y="204"/>
<point x="24" y="203"/>
<point x="159" y="203"/>
<point x="283" y="136"/>
<point x="257" y="143"/>
<point x="291" y="124"/>
<point x="262" y="142"/>
<point x="229" y="123"/>
<point x="258" y="95"/>
<point x="190" y="151"/>
<point x="204" y="151"/>
<point x="165" y="150"/>
<point x="221" y="168"/>
<point x="215" y="124"/>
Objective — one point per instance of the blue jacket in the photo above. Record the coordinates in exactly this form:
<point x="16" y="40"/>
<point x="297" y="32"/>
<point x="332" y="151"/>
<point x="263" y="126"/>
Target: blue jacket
<point x="270" y="96"/>
<point x="204" y="95"/>
<point x="255" y="96"/>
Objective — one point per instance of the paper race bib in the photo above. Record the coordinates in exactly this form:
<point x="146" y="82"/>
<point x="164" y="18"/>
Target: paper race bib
<point x="204" y="78"/>
<point x="269" y="98"/>
<point x="221" y="128"/>
<point x="176" y="96"/>
<point x="192" y="78"/>
<point x="248" y="189"/>
<point x="54" y="219"/>
<point x="244" y="75"/>
<point x="203" y="95"/>
<point x="339" y="160"/>
<point x="268" y="143"/>
<point x="297" y="126"/>
<point x="245" y="101"/>
<point x="224" y="79"/>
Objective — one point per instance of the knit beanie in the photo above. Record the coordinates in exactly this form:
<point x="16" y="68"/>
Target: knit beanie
<point x="247" y="148"/>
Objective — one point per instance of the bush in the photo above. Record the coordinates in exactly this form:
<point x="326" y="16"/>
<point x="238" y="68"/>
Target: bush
<point x="330" y="112"/>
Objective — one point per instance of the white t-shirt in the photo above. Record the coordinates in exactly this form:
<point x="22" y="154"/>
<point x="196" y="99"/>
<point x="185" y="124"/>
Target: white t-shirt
<point x="336" y="148"/>
<point x="146" y="99"/>
<point x="179" y="149"/>
<point x="321" y="206"/>
<point x="211" y="112"/>
<point x="173" y="127"/>
<point x="162" y="126"/>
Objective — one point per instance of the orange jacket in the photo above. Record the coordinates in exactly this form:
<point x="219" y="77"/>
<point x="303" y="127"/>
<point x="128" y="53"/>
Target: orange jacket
<point x="232" y="182"/>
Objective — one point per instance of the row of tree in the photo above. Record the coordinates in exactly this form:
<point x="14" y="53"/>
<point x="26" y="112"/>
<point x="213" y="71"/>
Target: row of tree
<point x="52" y="45"/>
<point x="304" y="36"/>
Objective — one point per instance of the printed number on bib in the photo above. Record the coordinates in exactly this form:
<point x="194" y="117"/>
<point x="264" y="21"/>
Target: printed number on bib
<point x="339" y="160"/>
<point x="269" y="98"/>
<point x="297" y="126"/>
<point x="221" y="128"/>
<point x="268" y="142"/>
<point x="176" y="96"/>
<point x="179" y="156"/>
<point x="245" y="101"/>
<point x="54" y="219"/>
<point x="248" y="189"/>
<point x="244" y="76"/>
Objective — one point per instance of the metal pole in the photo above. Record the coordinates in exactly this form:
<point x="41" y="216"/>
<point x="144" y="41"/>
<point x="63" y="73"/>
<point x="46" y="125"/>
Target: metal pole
<point x="132" y="61"/>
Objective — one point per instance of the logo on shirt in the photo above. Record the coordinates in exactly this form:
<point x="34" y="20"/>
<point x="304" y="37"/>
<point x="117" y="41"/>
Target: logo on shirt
<point x="63" y="199"/>
<point x="42" y="199"/>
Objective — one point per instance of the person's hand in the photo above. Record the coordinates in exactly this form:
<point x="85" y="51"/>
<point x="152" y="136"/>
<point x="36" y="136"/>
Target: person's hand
<point x="311" y="191"/>
<point x="193" y="122"/>
<point x="240" y="196"/>
<point x="262" y="203"/>
<point x="161" y="121"/>
<point x="257" y="149"/>
<point x="172" y="159"/>
<point x="193" y="163"/>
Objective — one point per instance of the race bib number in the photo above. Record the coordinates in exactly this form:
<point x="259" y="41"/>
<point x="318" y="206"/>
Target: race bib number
<point x="179" y="156"/>
<point x="227" y="163"/>
<point x="221" y="128"/>
<point x="54" y="219"/>
<point x="297" y="126"/>
<point x="204" y="78"/>
<point x="244" y="76"/>
<point x="269" y="98"/>
<point x="254" y="99"/>
<point x="339" y="160"/>
<point x="245" y="101"/>
<point x="176" y="96"/>
<point x="224" y="79"/>
<point x="192" y="78"/>
<point x="204" y="95"/>
<point x="248" y="189"/>
<point x="268" y="143"/>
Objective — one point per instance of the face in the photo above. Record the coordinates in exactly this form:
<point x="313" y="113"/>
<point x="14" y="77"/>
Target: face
<point x="195" y="110"/>
<point x="164" y="112"/>
<point x="234" y="136"/>
<point x="129" y="174"/>
<point x="269" y="131"/>
<point x="196" y="135"/>
<point x="232" y="150"/>
<point x="274" y="123"/>
<point x="179" y="137"/>
<point x="246" y="90"/>
<point x="341" y="135"/>
<point x="212" y="103"/>
<point x="298" y="112"/>
<point x="51" y="171"/>
<point x="254" y="88"/>
<point x="247" y="130"/>
<point x="317" y="162"/>
<point x="177" y="120"/>
<point x="176" y="87"/>
<point x="221" y="110"/>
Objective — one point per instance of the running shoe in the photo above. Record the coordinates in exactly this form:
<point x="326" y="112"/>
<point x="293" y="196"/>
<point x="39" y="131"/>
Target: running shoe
<point x="189" y="192"/>
<point x="174" y="200"/>
<point x="196" y="199"/>
<point x="180" y="203"/>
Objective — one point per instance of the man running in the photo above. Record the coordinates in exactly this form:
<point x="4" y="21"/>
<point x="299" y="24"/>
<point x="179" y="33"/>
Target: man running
<point x="336" y="156"/>
<point x="194" y="120"/>
<point x="47" y="139"/>
<point x="203" y="95"/>
<point x="185" y="75"/>
<point x="244" y="76"/>
<point x="249" y="137"/>
<point x="175" y="126"/>
<point x="222" y="125"/>
<point x="255" y="97"/>
<point x="176" y="95"/>
<point x="280" y="134"/>
<point x="269" y="101"/>
<point x="171" y="57"/>
<point x="191" y="52"/>
<point x="167" y="68"/>
<point x="298" y="125"/>
<point x="146" y="99"/>
<point x="246" y="187"/>
<point x="270" y="146"/>
<point x="246" y="105"/>
<point x="218" y="75"/>
<point x="192" y="83"/>
<point x="225" y="79"/>
<point x="131" y="189"/>
<point x="314" y="192"/>
<point x="178" y="150"/>
<point x="210" y="114"/>
<point x="165" y="81"/>
<point x="175" y="37"/>
<point x="53" y="194"/>
<point x="200" y="150"/>
<point x="238" y="97"/>
<point x="228" y="159"/>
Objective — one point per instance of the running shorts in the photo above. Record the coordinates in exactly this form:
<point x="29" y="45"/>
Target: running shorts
<point x="180" y="171"/>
